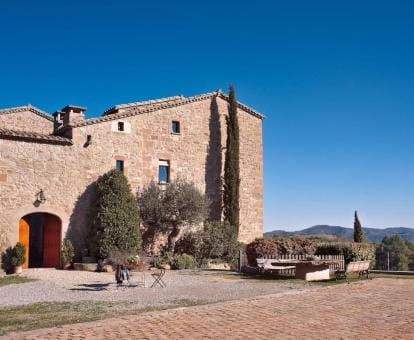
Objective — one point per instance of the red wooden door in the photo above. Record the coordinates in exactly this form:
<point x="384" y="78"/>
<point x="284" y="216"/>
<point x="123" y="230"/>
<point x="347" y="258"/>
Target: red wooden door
<point x="51" y="241"/>
<point x="24" y="230"/>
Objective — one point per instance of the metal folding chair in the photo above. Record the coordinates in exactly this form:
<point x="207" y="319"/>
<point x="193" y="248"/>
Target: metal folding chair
<point x="158" y="279"/>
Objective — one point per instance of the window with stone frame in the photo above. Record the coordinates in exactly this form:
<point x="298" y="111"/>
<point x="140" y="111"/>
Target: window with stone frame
<point x="163" y="171"/>
<point x="175" y="127"/>
<point x="119" y="165"/>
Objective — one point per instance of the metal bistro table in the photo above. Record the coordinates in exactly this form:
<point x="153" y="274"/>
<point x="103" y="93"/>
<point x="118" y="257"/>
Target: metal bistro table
<point x="309" y="270"/>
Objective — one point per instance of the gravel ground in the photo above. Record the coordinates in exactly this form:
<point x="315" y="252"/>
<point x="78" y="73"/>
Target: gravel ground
<point x="201" y="286"/>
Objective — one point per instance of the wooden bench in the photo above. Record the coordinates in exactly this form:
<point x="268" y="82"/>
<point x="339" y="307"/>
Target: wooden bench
<point x="266" y="265"/>
<point x="360" y="267"/>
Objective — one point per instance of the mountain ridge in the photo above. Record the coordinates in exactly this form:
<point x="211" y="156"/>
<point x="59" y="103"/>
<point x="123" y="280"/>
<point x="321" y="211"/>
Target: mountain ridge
<point x="373" y="234"/>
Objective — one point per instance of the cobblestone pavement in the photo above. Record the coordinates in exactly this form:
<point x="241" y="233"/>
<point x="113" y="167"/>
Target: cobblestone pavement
<point x="377" y="309"/>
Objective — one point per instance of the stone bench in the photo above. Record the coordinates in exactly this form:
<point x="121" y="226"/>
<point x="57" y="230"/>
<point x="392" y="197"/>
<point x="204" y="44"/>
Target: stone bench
<point x="358" y="267"/>
<point x="266" y="265"/>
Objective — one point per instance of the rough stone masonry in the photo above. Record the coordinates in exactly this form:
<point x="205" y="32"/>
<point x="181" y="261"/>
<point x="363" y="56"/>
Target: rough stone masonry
<point x="63" y="155"/>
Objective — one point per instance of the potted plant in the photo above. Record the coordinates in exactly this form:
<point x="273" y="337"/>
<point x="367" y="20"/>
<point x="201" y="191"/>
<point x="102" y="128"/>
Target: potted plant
<point x="67" y="253"/>
<point x="18" y="257"/>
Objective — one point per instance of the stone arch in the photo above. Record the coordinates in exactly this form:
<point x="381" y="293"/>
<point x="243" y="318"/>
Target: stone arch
<point x="41" y="233"/>
<point x="10" y="219"/>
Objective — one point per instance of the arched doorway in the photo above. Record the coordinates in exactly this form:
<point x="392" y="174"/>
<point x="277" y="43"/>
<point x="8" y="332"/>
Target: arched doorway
<point x="40" y="233"/>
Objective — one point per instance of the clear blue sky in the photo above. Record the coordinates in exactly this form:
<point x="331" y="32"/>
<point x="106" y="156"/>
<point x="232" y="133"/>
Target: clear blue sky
<point x="335" y="79"/>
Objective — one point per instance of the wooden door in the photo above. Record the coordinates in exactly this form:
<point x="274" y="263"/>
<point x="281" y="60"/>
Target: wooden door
<point x="51" y="241"/>
<point x="24" y="231"/>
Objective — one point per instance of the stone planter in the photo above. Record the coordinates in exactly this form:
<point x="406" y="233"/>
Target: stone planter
<point x="107" y="268"/>
<point x="89" y="267"/>
<point x="66" y="266"/>
<point x="218" y="266"/>
<point x="17" y="269"/>
<point x="88" y="259"/>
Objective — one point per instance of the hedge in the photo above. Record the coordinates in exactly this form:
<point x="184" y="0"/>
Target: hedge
<point x="278" y="246"/>
<point x="352" y="251"/>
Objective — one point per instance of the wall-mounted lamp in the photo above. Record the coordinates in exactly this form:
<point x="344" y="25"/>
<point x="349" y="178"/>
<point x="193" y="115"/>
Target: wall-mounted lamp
<point x="40" y="197"/>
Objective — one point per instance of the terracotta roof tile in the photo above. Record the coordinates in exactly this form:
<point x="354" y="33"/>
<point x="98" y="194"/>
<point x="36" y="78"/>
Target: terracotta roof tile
<point x="33" y="136"/>
<point x="133" y="109"/>
<point x="26" y="108"/>
<point x="146" y="103"/>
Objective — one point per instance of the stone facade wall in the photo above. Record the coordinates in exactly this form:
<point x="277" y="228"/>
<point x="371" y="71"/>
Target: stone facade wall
<point x="67" y="173"/>
<point x="26" y="121"/>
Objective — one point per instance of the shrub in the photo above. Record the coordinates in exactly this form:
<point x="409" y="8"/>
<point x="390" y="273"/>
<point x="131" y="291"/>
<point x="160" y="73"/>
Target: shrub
<point x="352" y="251"/>
<point x="219" y="241"/>
<point x="67" y="251"/>
<point x="175" y="261"/>
<point x="277" y="246"/>
<point x="183" y="261"/>
<point x="116" y="221"/>
<point x="216" y="241"/>
<point x="135" y="262"/>
<point x="18" y="256"/>
<point x="156" y="262"/>
<point x="191" y="243"/>
<point x="117" y="257"/>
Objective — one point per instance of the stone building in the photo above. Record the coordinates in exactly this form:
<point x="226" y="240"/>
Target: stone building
<point x="49" y="163"/>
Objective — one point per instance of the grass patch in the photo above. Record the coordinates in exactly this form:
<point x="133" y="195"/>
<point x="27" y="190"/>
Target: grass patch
<point x="15" y="279"/>
<point x="52" y="314"/>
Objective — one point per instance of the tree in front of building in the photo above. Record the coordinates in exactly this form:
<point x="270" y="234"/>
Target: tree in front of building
<point x="358" y="234"/>
<point x="116" y="221"/>
<point x="180" y="204"/>
<point x="231" y="188"/>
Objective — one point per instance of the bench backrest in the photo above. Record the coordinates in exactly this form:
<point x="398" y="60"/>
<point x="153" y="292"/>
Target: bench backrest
<point x="357" y="266"/>
<point x="263" y="263"/>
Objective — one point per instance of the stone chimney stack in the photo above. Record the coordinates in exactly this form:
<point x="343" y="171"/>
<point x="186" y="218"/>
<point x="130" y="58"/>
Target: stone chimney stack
<point x="71" y="114"/>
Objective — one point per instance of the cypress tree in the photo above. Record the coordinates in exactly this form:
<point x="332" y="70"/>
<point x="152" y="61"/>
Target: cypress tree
<point x="358" y="234"/>
<point x="231" y="207"/>
<point x="116" y="221"/>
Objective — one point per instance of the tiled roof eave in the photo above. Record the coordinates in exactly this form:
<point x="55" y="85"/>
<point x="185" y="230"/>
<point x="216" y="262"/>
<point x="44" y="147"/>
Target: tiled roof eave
<point x="27" y="108"/>
<point x="34" y="137"/>
<point x="141" y="104"/>
<point x="166" y="105"/>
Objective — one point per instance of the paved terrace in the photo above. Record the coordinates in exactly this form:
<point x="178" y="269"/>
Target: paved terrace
<point x="377" y="309"/>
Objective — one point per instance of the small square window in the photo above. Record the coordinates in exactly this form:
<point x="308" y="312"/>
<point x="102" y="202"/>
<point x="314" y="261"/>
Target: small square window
<point x="175" y="127"/>
<point x="121" y="126"/>
<point x="163" y="171"/>
<point x="119" y="165"/>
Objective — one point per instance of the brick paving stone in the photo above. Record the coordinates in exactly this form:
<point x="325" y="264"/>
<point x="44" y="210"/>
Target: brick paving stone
<point x="377" y="309"/>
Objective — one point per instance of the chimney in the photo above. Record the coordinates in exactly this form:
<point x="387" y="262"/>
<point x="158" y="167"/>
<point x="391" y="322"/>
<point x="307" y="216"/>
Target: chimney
<point x="57" y="120"/>
<point x="71" y="114"/>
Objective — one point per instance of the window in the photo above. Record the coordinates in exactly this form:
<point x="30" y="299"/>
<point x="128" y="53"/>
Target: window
<point x="175" y="127"/>
<point x="121" y="126"/>
<point x="163" y="171"/>
<point x="119" y="165"/>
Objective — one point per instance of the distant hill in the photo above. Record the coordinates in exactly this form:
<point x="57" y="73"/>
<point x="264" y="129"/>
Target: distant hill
<point x="373" y="234"/>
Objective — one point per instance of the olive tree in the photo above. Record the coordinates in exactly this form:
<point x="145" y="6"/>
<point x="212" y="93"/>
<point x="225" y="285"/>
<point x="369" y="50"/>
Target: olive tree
<point x="171" y="208"/>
